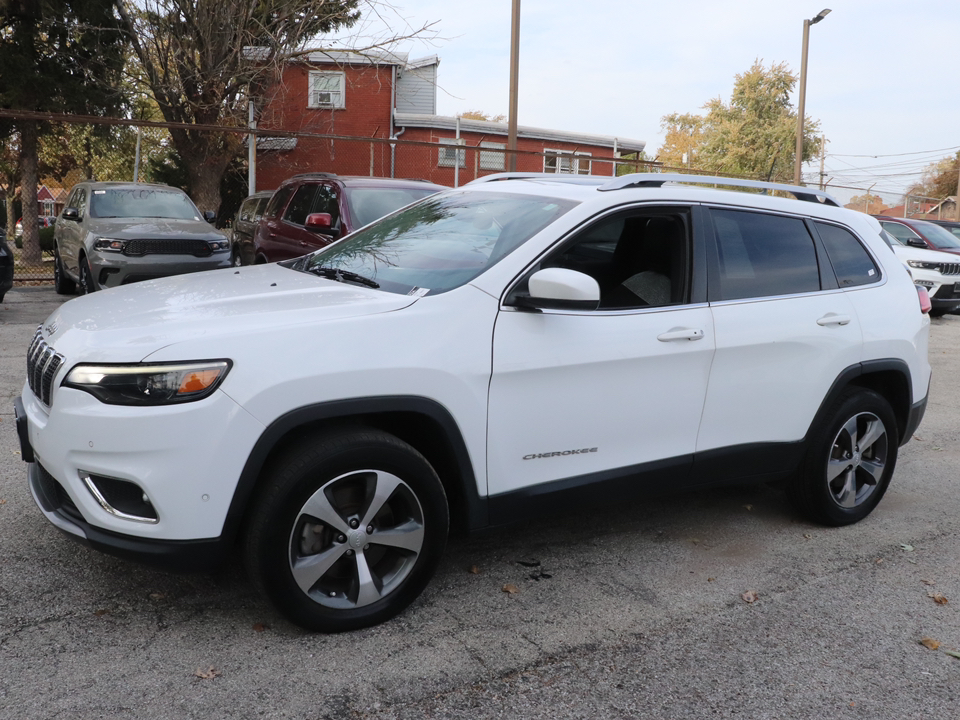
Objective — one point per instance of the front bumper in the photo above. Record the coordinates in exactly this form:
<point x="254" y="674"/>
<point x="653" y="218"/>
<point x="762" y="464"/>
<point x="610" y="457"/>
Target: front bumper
<point x="186" y="459"/>
<point x="174" y="555"/>
<point x="113" y="269"/>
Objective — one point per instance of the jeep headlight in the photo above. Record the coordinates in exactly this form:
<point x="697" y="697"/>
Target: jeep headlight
<point x="149" y="383"/>
<point x="923" y="264"/>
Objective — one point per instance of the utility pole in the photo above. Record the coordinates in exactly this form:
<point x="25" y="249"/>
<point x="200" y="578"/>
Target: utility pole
<point x="956" y="200"/>
<point x="514" y="84"/>
<point x="798" y="159"/>
<point x="823" y="155"/>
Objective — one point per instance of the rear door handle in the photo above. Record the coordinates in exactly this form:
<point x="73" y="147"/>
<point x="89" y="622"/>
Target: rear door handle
<point x="681" y="334"/>
<point x="833" y="319"/>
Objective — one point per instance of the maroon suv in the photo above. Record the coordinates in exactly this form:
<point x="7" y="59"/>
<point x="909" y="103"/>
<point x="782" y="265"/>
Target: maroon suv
<point x="308" y="212"/>
<point x="921" y="234"/>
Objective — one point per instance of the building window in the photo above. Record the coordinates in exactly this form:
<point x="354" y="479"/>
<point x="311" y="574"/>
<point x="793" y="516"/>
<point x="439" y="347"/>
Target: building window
<point x="566" y="162"/>
<point x="326" y="90"/>
<point x="448" y="153"/>
<point x="490" y="160"/>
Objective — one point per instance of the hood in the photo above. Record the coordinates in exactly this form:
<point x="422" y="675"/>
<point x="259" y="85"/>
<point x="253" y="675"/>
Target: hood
<point x="152" y="228"/>
<point x="905" y="252"/>
<point x="128" y="323"/>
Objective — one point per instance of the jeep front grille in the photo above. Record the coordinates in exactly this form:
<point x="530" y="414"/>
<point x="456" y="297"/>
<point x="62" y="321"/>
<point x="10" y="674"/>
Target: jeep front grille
<point x="138" y="248"/>
<point x="950" y="268"/>
<point x="42" y="365"/>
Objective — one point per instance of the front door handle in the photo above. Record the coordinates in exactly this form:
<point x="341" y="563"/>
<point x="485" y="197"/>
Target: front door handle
<point x="833" y="319"/>
<point x="680" y="334"/>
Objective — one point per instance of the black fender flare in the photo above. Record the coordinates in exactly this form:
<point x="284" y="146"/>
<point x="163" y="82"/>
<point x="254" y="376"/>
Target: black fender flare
<point x="850" y="375"/>
<point x="475" y="506"/>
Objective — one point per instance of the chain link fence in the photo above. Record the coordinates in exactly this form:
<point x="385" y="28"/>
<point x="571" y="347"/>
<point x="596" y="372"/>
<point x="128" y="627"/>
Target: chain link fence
<point x="144" y="149"/>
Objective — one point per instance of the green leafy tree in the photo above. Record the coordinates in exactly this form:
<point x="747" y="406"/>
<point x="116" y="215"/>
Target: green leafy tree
<point x="77" y="49"/>
<point x="867" y="203"/>
<point x="939" y="179"/>
<point x="753" y="134"/>
<point x="684" y="136"/>
<point x="481" y="115"/>
<point x="202" y="59"/>
<point x="10" y="180"/>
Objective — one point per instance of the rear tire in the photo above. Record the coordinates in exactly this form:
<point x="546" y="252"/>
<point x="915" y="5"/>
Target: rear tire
<point x="346" y="530"/>
<point x="850" y="460"/>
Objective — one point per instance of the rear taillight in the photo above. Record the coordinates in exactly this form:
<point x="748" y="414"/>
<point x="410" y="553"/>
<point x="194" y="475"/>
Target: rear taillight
<point x="924" y="299"/>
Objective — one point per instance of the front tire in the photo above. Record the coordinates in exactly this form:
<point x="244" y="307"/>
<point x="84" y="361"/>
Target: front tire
<point x="850" y="460"/>
<point x="346" y="530"/>
<point x="86" y="284"/>
<point x="61" y="283"/>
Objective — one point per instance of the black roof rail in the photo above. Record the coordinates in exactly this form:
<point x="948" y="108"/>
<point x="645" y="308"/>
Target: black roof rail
<point x="657" y="179"/>
<point x="314" y="175"/>
<point x="557" y="177"/>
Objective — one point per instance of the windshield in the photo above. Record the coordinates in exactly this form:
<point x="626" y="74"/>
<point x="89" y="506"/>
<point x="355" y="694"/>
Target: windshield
<point x="145" y="202"/>
<point x="440" y="243"/>
<point x="941" y="237"/>
<point x="372" y="203"/>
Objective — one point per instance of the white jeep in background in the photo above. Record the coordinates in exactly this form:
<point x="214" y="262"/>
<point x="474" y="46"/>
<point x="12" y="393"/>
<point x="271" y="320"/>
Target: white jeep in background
<point x="523" y="343"/>
<point x="931" y="270"/>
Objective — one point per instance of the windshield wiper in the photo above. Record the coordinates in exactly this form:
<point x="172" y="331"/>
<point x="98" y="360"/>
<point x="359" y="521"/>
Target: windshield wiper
<point x="332" y="273"/>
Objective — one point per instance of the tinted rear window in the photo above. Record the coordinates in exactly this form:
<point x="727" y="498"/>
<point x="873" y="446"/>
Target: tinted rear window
<point x="851" y="262"/>
<point x="763" y="255"/>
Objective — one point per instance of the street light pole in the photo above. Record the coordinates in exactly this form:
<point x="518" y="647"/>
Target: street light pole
<point x="798" y="160"/>
<point x="514" y="83"/>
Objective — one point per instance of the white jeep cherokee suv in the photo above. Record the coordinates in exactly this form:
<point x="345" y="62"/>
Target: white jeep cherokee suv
<point x="520" y="343"/>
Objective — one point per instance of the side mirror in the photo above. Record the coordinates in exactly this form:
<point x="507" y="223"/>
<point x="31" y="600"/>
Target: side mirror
<point x="916" y="242"/>
<point x="319" y="223"/>
<point x="561" y="289"/>
<point x="209" y="215"/>
<point x="71" y="213"/>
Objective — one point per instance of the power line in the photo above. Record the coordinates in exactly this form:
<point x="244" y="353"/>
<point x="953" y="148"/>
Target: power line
<point x="922" y="152"/>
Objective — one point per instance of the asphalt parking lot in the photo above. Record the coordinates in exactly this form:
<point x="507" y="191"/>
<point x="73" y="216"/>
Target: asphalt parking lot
<point x="634" y="612"/>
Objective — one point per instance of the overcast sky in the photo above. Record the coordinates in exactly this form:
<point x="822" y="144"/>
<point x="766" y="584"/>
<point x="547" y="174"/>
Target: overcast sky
<point x="883" y="75"/>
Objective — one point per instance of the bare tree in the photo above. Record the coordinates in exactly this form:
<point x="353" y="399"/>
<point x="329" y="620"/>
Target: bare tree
<point x="203" y="59"/>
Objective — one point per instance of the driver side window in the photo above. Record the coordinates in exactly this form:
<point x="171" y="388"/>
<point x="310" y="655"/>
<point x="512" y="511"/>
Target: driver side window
<point x="638" y="259"/>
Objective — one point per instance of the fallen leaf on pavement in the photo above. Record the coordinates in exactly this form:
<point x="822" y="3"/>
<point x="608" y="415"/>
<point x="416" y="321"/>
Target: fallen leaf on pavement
<point x="156" y="596"/>
<point x="952" y="653"/>
<point x="807" y="536"/>
<point x="750" y="596"/>
<point x="937" y="598"/>
<point x="928" y="582"/>
<point x="260" y="627"/>
<point x="101" y="613"/>
<point x="208" y="674"/>
<point x="510" y="588"/>
<point x="906" y="548"/>
<point x="3" y="501"/>
<point x="749" y="507"/>
<point x="474" y="570"/>
<point x="930" y="643"/>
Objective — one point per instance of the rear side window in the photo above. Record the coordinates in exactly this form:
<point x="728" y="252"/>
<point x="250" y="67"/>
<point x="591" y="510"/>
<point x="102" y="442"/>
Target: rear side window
<point x="301" y="205"/>
<point x="900" y="232"/>
<point x="278" y="200"/>
<point x="851" y="262"/>
<point x="763" y="255"/>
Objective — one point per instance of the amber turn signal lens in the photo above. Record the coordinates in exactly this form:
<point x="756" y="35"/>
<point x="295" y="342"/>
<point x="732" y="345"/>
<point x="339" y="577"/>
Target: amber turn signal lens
<point x="198" y="381"/>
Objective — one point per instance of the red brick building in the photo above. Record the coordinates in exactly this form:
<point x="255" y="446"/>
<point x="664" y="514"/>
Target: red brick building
<point x="372" y="99"/>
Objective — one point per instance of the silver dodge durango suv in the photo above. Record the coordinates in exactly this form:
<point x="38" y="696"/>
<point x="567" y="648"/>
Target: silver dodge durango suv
<point x="113" y="233"/>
